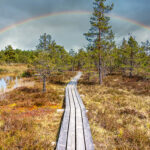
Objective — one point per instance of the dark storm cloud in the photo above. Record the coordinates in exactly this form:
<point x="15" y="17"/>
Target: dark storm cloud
<point x="13" y="11"/>
<point x="66" y="30"/>
<point x="19" y="9"/>
<point x="138" y="10"/>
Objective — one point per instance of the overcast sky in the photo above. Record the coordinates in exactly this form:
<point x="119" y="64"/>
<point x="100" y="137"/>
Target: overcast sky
<point x="67" y="30"/>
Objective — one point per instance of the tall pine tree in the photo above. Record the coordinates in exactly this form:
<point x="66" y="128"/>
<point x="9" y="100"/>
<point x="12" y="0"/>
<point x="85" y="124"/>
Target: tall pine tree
<point x="99" y="30"/>
<point x="132" y="54"/>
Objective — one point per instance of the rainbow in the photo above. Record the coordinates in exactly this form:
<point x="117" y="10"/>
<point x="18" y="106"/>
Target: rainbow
<point x="128" y="20"/>
<point x="114" y="16"/>
<point x="7" y="28"/>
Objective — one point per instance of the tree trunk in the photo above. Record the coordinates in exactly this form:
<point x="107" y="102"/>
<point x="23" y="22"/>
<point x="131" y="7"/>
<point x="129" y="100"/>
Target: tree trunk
<point x="44" y="83"/>
<point x="105" y="70"/>
<point x="131" y="64"/>
<point x="123" y="71"/>
<point x="123" y="67"/>
<point x="100" y="59"/>
<point x="73" y="66"/>
<point x="100" y="69"/>
<point x="131" y="69"/>
<point x="110" y="68"/>
<point x="89" y="74"/>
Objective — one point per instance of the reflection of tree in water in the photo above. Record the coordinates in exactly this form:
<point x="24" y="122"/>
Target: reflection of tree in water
<point x="5" y="83"/>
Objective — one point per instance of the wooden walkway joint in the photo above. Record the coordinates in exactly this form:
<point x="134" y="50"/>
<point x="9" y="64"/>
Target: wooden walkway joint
<point x="75" y="133"/>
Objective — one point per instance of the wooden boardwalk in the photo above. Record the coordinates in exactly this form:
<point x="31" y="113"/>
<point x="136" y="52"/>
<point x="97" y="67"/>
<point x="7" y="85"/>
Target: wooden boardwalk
<point x="75" y="133"/>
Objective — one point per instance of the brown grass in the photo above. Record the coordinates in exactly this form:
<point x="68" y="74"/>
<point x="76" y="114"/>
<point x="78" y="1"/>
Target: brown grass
<point x="119" y="112"/>
<point x="28" y="118"/>
<point x="12" y="69"/>
<point x="29" y="130"/>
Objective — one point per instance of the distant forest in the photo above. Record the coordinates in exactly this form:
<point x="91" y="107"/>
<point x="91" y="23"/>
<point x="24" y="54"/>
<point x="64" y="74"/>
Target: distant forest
<point x="131" y="58"/>
<point x="102" y="54"/>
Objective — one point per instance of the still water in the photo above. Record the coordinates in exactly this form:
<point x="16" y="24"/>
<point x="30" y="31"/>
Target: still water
<point x="7" y="83"/>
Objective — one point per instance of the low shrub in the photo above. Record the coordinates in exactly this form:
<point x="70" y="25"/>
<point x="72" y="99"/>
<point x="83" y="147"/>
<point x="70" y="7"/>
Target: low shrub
<point x="28" y="73"/>
<point x="3" y="70"/>
<point x="118" y="112"/>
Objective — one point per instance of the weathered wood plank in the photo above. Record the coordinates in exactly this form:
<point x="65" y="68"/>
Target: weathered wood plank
<point x="75" y="133"/>
<point x="80" y="100"/>
<point x="71" y="143"/>
<point x="63" y="135"/>
<point x="80" y="145"/>
<point x="87" y="132"/>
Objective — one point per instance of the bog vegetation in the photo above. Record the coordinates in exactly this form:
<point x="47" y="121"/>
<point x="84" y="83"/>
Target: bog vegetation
<point x="29" y="118"/>
<point x="119" y="111"/>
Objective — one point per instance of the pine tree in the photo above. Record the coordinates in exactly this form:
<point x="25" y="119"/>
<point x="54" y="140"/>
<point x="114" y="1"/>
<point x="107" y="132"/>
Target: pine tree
<point x="99" y="30"/>
<point x="108" y="56"/>
<point x="44" y="42"/>
<point x="10" y="55"/>
<point x="81" y="58"/>
<point x="72" y="54"/>
<point x="132" y="54"/>
<point x="122" y="56"/>
<point x="44" y="66"/>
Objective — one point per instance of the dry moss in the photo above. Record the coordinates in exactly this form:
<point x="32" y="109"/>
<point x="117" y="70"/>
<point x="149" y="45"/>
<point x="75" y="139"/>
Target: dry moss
<point x="29" y="118"/>
<point x="119" y="112"/>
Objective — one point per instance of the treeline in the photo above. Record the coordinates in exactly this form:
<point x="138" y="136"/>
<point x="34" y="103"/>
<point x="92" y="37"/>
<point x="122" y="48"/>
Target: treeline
<point x="47" y="52"/>
<point x="129" y="59"/>
<point x="10" y="55"/>
<point x="102" y="54"/>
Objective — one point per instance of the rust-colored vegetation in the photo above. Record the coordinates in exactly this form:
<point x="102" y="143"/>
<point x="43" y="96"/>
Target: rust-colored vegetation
<point x="29" y="117"/>
<point x="119" y="111"/>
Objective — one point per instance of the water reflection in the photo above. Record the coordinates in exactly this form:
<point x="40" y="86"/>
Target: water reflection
<point x="8" y="82"/>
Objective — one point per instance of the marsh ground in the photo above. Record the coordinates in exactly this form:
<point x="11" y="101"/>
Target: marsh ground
<point x="12" y="69"/>
<point x="28" y="117"/>
<point x="119" y="111"/>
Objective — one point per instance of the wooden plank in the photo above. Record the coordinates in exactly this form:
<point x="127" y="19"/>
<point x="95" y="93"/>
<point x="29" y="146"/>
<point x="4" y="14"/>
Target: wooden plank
<point x="75" y="133"/>
<point x="79" y="99"/>
<point x="61" y="145"/>
<point x="87" y="132"/>
<point x="80" y="145"/>
<point x="67" y="103"/>
<point x="63" y="135"/>
<point x="71" y="132"/>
